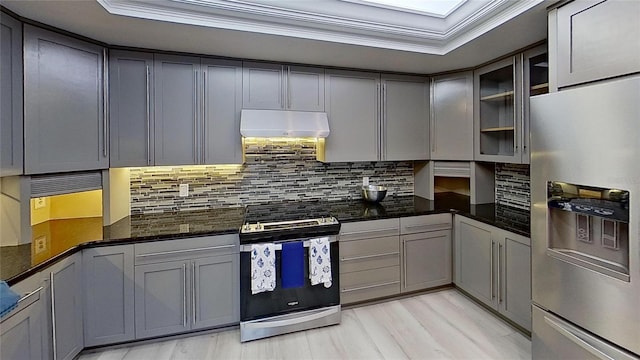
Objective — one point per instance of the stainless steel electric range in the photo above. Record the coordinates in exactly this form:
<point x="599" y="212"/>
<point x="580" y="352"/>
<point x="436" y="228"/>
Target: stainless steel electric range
<point x="285" y="310"/>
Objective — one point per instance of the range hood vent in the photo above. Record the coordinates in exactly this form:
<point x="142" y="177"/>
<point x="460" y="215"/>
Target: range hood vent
<point x="282" y="123"/>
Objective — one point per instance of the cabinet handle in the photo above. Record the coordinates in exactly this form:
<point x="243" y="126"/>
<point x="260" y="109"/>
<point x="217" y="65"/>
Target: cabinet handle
<point x="404" y="264"/>
<point x="193" y="292"/>
<point x="184" y="251"/>
<point x="383" y="125"/>
<point x="369" y="256"/>
<point x="148" y="115"/>
<point x="105" y="103"/>
<point x="515" y="108"/>
<point x="30" y="294"/>
<point x="499" y="272"/>
<point x="379" y="115"/>
<point x="288" y="87"/>
<point x="195" y="117"/>
<point x="184" y="295"/>
<point x="493" y="244"/>
<point x="370" y="286"/>
<point x="204" y="115"/>
<point x="432" y="113"/>
<point x="53" y="317"/>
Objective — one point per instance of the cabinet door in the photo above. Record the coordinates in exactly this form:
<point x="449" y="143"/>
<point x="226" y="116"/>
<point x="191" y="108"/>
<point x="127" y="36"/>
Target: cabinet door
<point x="514" y="299"/>
<point x="161" y="299"/>
<point x="536" y="82"/>
<point x="262" y="86"/>
<point x="65" y="281"/>
<point x="597" y="40"/>
<point x="176" y="110"/>
<point x="11" y="134"/>
<point x="21" y="333"/>
<point x="130" y="108"/>
<point x="405" y="118"/>
<point x="64" y="120"/>
<point x="452" y="117"/>
<point x="497" y="114"/>
<point x="351" y="102"/>
<point x="108" y="295"/>
<point x="426" y="260"/>
<point x="474" y="255"/>
<point x="305" y="88"/>
<point x="216" y="291"/>
<point x="222" y="94"/>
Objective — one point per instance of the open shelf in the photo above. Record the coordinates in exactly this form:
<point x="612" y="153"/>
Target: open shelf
<point x="497" y="129"/>
<point x="498" y="96"/>
<point x="539" y="89"/>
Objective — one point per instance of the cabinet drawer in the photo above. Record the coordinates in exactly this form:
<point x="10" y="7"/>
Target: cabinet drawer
<point x="369" y="229"/>
<point x="423" y="223"/>
<point x="369" y="284"/>
<point x="367" y="254"/>
<point x="189" y="248"/>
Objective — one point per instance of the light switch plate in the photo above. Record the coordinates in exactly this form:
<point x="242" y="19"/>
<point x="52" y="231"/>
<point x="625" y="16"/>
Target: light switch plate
<point x="184" y="190"/>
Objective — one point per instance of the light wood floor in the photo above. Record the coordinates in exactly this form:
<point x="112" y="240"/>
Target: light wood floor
<point x="440" y="325"/>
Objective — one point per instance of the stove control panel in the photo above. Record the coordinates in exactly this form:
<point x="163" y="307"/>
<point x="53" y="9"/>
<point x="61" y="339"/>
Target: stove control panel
<point x="287" y="225"/>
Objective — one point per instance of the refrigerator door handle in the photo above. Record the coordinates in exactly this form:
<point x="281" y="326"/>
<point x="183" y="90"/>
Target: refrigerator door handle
<point x="581" y="339"/>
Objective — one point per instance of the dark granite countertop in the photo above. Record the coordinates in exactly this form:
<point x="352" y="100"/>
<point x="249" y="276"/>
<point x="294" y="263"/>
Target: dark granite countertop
<point x="56" y="239"/>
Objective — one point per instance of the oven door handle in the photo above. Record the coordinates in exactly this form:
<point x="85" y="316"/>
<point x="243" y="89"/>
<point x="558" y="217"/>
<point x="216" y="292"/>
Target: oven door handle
<point x="277" y="245"/>
<point x="269" y="323"/>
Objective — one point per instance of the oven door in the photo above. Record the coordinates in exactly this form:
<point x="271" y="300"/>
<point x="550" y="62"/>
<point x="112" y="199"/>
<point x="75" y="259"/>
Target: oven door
<point x="282" y="301"/>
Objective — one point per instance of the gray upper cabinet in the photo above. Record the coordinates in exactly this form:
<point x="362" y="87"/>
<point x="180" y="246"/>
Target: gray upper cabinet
<point x="108" y="295"/>
<point x="21" y="329"/>
<point x="536" y="82"/>
<point x="66" y="321"/>
<point x="352" y="105"/>
<point x="452" y="117"/>
<point x="222" y="103"/>
<point x="494" y="266"/>
<point x="131" y="108"/>
<point x="282" y="87"/>
<point x="405" y="118"/>
<point x="64" y="122"/>
<point x="11" y="127"/>
<point x="595" y="40"/>
<point x="176" y="82"/>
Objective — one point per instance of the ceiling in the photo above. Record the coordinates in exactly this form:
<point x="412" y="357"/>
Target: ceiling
<point x="343" y="33"/>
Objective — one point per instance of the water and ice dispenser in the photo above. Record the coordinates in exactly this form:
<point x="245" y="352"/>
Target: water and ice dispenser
<point x="589" y="226"/>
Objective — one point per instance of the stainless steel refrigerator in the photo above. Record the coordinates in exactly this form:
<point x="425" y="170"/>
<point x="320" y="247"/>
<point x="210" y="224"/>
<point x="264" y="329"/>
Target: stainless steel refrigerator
<point x="585" y="221"/>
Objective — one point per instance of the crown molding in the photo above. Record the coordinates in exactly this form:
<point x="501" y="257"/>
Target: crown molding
<point x="273" y="20"/>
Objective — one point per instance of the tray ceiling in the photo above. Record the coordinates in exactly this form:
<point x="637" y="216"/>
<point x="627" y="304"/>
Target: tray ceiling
<point x="375" y="23"/>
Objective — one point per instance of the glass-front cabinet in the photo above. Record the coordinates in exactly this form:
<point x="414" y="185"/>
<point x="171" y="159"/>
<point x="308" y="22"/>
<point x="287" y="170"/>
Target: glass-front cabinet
<point x="501" y="105"/>
<point x="497" y="118"/>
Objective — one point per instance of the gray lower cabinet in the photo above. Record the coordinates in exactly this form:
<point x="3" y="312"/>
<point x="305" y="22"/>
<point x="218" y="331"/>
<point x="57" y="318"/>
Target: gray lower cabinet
<point x="369" y="260"/>
<point x="108" y="295"/>
<point x="11" y="127"/>
<point x="426" y="251"/>
<point x="352" y="105"/>
<point x="21" y="330"/>
<point x="131" y="108"/>
<point x="405" y="118"/>
<point x="186" y="284"/>
<point x="451" y="126"/>
<point x="65" y="125"/>
<point x="494" y="266"/>
<point x="595" y="40"/>
<point x="65" y="304"/>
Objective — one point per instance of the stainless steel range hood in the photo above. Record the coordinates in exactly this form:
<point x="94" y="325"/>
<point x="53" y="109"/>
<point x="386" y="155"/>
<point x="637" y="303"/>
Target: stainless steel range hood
<point x="283" y="123"/>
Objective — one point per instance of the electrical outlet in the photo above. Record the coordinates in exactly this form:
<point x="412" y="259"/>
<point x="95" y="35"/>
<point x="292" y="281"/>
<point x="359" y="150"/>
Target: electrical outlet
<point x="184" y="190"/>
<point x="365" y="181"/>
<point x="40" y="202"/>
<point x="184" y="228"/>
<point x="40" y="244"/>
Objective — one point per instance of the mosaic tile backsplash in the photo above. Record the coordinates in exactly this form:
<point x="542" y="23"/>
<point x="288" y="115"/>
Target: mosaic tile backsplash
<point x="513" y="187"/>
<point x="275" y="170"/>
